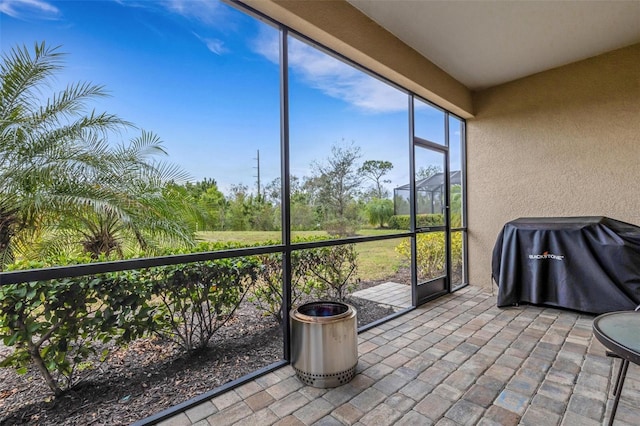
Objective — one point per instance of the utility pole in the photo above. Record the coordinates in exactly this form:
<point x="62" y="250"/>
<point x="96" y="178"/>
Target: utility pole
<point x="258" y="176"/>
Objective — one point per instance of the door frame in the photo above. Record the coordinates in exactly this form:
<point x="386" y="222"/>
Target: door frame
<point x="423" y="292"/>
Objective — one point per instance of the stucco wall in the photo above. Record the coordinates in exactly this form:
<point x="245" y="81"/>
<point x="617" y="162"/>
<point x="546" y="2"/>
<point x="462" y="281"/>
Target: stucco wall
<point x="565" y="142"/>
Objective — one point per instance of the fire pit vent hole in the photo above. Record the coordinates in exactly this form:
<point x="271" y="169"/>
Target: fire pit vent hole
<point x="320" y="380"/>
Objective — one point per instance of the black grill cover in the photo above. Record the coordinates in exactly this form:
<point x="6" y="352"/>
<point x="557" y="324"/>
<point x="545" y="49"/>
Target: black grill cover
<point x="589" y="264"/>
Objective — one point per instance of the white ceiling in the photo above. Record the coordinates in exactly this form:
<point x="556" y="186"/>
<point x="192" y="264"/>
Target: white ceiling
<point x="484" y="43"/>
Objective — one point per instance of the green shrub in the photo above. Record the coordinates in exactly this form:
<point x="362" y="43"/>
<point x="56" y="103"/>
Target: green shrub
<point x="399" y="222"/>
<point x="430" y="253"/>
<point x="318" y="273"/>
<point x="379" y="211"/>
<point x="333" y="270"/>
<point x="456" y="253"/>
<point x="194" y="300"/>
<point x="267" y="294"/>
<point x="58" y="324"/>
<point x="456" y="220"/>
<point x="426" y="220"/>
<point x="423" y="221"/>
<point x="340" y="227"/>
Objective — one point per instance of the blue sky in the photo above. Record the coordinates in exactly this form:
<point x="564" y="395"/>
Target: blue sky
<point x="204" y="77"/>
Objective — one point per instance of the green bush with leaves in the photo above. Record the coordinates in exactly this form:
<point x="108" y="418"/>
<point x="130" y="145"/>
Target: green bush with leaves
<point x="401" y="221"/>
<point x="430" y="253"/>
<point x="61" y="324"/>
<point x="192" y="301"/>
<point x="58" y="324"/>
<point x="267" y="295"/>
<point x="379" y="211"/>
<point x="333" y="270"/>
<point x="317" y="273"/>
<point x="341" y="227"/>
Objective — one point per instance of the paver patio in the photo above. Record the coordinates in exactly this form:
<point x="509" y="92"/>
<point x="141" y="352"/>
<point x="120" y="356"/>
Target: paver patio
<point x="458" y="360"/>
<point x="393" y="294"/>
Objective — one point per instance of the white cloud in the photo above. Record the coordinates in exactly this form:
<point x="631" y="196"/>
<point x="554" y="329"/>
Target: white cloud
<point x="29" y="8"/>
<point x="334" y="77"/>
<point x="206" y="11"/>
<point x="214" y="45"/>
<point x="267" y="44"/>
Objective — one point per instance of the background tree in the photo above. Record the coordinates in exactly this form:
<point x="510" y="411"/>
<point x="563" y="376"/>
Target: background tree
<point x="198" y="188"/>
<point x="248" y="212"/>
<point x="304" y="216"/>
<point x="263" y="216"/>
<point x="207" y="204"/>
<point x="272" y="191"/>
<point x="337" y="184"/>
<point x="379" y="211"/>
<point x="214" y="204"/>
<point x="302" y="213"/>
<point x="427" y="172"/>
<point x="375" y="170"/>
<point x="238" y="211"/>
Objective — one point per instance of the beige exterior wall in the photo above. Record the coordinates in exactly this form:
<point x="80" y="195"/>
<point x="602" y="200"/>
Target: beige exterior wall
<point x="565" y="142"/>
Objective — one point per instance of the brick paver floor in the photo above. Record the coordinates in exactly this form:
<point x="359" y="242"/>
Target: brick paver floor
<point x="458" y="360"/>
<point x="392" y="294"/>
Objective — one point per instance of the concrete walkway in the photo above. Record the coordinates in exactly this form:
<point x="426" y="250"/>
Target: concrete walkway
<point x="458" y="360"/>
<point x="389" y="293"/>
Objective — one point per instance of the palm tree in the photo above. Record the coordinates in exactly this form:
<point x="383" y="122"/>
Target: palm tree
<point x="57" y="170"/>
<point x="137" y="209"/>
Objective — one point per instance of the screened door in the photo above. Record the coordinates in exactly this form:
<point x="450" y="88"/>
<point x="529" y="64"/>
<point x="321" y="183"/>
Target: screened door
<point x="431" y="242"/>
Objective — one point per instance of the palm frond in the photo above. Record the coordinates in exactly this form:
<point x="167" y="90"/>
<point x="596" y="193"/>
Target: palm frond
<point x="23" y="74"/>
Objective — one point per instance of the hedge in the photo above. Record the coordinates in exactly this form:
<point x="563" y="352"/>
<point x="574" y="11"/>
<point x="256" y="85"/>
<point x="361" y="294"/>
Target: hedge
<point x="423" y="220"/>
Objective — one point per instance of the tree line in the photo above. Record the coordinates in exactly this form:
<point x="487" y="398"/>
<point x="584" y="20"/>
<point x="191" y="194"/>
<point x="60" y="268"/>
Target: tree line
<point x="335" y="198"/>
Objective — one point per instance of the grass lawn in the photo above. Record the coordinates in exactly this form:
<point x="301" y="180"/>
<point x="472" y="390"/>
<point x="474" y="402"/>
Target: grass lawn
<point x="376" y="260"/>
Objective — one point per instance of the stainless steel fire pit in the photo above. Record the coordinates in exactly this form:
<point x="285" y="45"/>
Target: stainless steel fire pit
<point x="324" y="343"/>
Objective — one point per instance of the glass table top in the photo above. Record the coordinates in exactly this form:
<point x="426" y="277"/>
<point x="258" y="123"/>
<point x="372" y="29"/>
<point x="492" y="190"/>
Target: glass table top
<point x="621" y="327"/>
